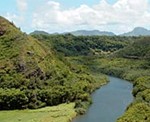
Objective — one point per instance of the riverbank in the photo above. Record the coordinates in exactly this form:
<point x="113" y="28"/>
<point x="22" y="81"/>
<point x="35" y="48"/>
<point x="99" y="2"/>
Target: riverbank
<point x="137" y="72"/>
<point x="81" y="106"/>
<point x="60" y="113"/>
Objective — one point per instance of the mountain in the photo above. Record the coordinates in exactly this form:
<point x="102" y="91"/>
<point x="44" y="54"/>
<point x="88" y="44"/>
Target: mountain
<point x="91" y="33"/>
<point x="39" y="32"/>
<point x="27" y="67"/>
<point x="138" y="31"/>
<point x="77" y="33"/>
<point x="32" y="75"/>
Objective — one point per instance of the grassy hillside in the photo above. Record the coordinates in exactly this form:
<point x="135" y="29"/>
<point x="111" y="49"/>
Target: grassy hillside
<point x="32" y="76"/>
<point x="63" y="113"/>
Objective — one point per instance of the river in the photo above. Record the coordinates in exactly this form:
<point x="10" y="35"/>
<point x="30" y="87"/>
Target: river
<point x="109" y="102"/>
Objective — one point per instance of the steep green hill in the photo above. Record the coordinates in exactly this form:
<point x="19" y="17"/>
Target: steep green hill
<point x="31" y="75"/>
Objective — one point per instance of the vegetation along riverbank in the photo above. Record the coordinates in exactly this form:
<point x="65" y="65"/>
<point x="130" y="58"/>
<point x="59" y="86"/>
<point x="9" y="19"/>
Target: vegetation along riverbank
<point x="124" y="57"/>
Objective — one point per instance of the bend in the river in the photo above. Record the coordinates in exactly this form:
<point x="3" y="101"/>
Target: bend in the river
<point x="109" y="102"/>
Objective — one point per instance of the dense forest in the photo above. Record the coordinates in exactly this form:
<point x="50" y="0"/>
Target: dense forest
<point x="124" y="57"/>
<point x="45" y="70"/>
<point x="71" y="45"/>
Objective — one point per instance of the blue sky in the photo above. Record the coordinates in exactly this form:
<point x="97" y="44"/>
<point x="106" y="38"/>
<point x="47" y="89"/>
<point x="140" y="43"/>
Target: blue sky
<point x="11" y="5"/>
<point x="67" y="15"/>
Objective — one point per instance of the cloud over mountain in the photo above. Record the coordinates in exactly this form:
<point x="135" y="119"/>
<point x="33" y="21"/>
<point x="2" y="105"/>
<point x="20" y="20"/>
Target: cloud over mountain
<point x="52" y="16"/>
<point x="121" y="14"/>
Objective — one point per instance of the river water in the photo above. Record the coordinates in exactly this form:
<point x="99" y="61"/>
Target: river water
<point x="109" y="102"/>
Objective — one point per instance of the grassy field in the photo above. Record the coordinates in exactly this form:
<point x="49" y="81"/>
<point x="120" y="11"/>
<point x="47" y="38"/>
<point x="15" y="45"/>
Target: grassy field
<point x="60" y="113"/>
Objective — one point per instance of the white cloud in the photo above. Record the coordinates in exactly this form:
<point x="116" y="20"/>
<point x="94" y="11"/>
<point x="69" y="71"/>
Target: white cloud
<point x="54" y="5"/>
<point x="18" y="20"/>
<point x="22" y="5"/>
<point x="122" y="15"/>
<point x="19" y="17"/>
<point x="14" y="18"/>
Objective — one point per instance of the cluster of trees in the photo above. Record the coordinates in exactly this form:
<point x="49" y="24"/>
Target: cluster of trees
<point x="142" y="89"/>
<point x="29" y="94"/>
<point x="139" y="110"/>
<point x="19" y="99"/>
<point x="140" y="49"/>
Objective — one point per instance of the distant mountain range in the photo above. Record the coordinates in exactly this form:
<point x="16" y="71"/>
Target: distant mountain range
<point x="91" y="33"/>
<point x="39" y="32"/>
<point x="138" y="31"/>
<point x="79" y="33"/>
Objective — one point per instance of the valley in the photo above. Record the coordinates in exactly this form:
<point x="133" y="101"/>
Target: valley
<point x="42" y="70"/>
<point x="129" y="61"/>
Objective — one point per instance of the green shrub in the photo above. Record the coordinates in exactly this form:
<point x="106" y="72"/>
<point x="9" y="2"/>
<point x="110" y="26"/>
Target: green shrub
<point x="13" y="99"/>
